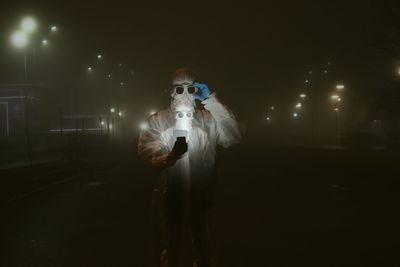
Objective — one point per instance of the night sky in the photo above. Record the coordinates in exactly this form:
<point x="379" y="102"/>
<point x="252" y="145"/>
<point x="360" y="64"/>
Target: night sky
<point x="251" y="53"/>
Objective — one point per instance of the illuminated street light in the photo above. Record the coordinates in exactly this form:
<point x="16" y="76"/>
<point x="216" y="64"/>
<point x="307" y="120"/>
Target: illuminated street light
<point x="45" y="42"/>
<point x="303" y="96"/>
<point x="99" y="57"/>
<point x="53" y="29"/>
<point x="340" y="87"/>
<point x="268" y="118"/>
<point x="307" y="81"/>
<point x="109" y="76"/>
<point x="299" y="105"/>
<point x="336" y="109"/>
<point x="28" y="25"/>
<point x="19" y="39"/>
<point x="112" y="110"/>
<point x="335" y="97"/>
<point x="272" y="108"/>
<point x="102" y="123"/>
<point x="143" y="126"/>
<point x="89" y="68"/>
<point x="122" y="84"/>
<point x="120" y="113"/>
<point x="152" y="112"/>
<point x="295" y="115"/>
<point x="325" y="72"/>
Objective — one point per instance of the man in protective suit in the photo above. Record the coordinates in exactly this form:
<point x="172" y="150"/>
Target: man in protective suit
<point x="181" y="141"/>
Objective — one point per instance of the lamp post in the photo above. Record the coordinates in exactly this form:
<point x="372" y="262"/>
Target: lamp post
<point x="20" y="40"/>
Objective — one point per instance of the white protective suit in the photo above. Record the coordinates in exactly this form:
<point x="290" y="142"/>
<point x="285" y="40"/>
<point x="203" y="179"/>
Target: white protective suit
<point x="209" y="127"/>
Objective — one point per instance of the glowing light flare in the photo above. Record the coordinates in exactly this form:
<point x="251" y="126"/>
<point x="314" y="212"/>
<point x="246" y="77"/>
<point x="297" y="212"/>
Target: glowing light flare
<point x="299" y="105"/>
<point x="28" y="25"/>
<point x="143" y="126"/>
<point x="120" y="113"/>
<point x="54" y="29"/>
<point x="45" y="42"/>
<point x="340" y="87"/>
<point x="303" y="96"/>
<point x="112" y="110"/>
<point x="295" y="115"/>
<point x="19" y="39"/>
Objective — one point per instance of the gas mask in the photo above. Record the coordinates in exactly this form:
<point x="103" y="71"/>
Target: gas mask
<point x="183" y="119"/>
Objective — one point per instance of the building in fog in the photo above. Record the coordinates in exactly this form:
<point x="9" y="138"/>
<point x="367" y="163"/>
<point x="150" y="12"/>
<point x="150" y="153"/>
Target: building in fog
<point x="21" y="105"/>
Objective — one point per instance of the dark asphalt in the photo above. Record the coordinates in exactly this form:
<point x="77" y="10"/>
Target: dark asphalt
<point x="274" y="207"/>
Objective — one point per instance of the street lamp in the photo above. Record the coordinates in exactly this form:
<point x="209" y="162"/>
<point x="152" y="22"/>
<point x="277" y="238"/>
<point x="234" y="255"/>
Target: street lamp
<point x="335" y="97"/>
<point x="45" y="42"/>
<point x="303" y="96"/>
<point x="19" y="39"/>
<point x="120" y="113"/>
<point x="89" y="68"/>
<point x="340" y="87"/>
<point x="53" y="29"/>
<point x="28" y="25"/>
<point x="295" y="115"/>
<point x="299" y="105"/>
<point x="112" y="110"/>
<point x="143" y="126"/>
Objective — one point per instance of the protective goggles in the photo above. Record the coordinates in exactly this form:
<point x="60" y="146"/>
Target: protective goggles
<point x="189" y="89"/>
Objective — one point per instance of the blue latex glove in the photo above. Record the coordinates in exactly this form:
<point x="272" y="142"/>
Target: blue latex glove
<point x="203" y="91"/>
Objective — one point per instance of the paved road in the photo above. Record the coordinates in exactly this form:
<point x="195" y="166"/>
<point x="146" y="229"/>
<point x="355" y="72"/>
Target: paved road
<point x="274" y="207"/>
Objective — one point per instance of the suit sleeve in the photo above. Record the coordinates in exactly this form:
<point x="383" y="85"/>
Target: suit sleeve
<point x="228" y="129"/>
<point x="150" y="145"/>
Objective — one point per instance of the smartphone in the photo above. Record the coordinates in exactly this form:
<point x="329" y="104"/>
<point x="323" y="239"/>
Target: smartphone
<point x="181" y="140"/>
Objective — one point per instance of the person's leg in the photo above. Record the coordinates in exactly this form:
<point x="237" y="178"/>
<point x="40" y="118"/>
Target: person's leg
<point x="174" y="215"/>
<point x="175" y="237"/>
<point x="200" y="235"/>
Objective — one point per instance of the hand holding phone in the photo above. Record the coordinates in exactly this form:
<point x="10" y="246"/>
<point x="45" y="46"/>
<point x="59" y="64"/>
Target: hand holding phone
<point x="180" y="147"/>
